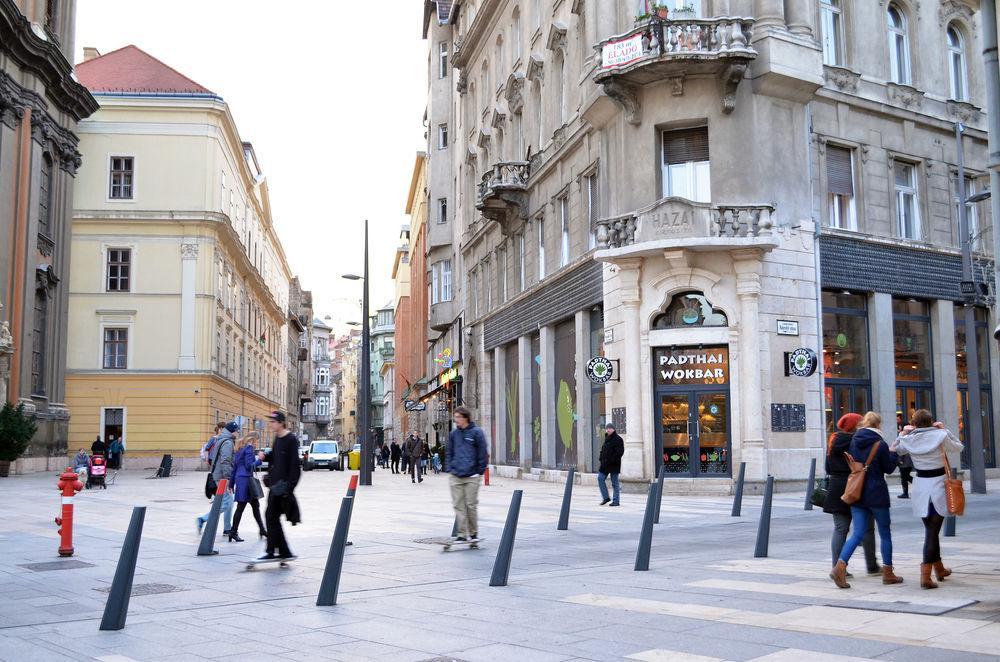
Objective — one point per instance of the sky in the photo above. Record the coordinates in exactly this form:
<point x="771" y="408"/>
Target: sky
<point x="335" y="115"/>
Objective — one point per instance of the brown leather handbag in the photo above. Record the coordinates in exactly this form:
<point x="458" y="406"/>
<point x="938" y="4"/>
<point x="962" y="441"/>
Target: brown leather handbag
<point x="856" y="481"/>
<point x="954" y="493"/>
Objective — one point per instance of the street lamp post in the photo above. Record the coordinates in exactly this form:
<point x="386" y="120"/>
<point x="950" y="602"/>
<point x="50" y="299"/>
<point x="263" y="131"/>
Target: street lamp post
<point x="973" y="417"/>
<point x="364" y="378"/>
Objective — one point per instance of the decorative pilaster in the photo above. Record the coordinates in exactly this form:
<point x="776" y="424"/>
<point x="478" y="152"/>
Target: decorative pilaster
<point x="500" y="406"/>
<point x="748" y="290"/>
<point x="546" y="376"/>
<point x="800" y="18"/>
<point x="525" y="432"/>
<point x="769" y="13"/>
<point x="189" y="262"/>
<point x="584" y="432"/>
<point x="635" y="459"/>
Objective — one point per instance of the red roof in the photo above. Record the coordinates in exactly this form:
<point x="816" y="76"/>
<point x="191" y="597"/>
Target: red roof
<point x="132" y="70"/>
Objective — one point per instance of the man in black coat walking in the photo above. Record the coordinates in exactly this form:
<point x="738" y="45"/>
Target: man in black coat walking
<point x="611" y="464"/>
<point x="395" y="452"/>
<point x="282" y="477"/>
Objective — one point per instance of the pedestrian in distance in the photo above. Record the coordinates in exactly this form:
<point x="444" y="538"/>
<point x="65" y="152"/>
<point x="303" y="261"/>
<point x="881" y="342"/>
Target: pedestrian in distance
<point x="244" y="463"/>
<point x="610" y="465"/>
<point x="81" y="464"/>
<point x="466" y="455"/>
<point x="926" y="442"/>
<point x="384" y="456"/>
<point x="437" y="457"/>
<point x="221" y="460"/>
<point x="405" y="457"/>
<point x="115" y="452"/>
<point x="206" y="449"/>
<point x="395" y="452"/>
<point x="99" y="448"/>
<point x="282" y="477"/>
<point x="838" y="470"/>
<point x="869" y="448"/>
<point x="425" y="457"/>
<point x="413" y="450"/>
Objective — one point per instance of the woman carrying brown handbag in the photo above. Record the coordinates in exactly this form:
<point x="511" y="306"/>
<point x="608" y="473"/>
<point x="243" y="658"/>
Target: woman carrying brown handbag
<point x="926" y="442"/>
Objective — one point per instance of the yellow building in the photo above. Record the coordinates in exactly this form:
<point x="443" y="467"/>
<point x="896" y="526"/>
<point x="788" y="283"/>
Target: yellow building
<point x="179" y="286"/>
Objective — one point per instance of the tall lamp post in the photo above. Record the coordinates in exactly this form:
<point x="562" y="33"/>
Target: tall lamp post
<point x="970" y="292"/>
<point x="364" y="378"/>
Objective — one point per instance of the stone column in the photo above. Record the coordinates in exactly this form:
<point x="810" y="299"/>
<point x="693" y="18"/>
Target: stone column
<point x="882" y="351"/>
<point x="748" y="289"/>
<point x="607" y="21"/>
<point x="590" y="28"/>
<point x="584" y="432"/>
<point x="769" y="13"/>
<point x="800" y="17"/>
<point x="635" y="460"/>
<point x="524" y="360"/>
<point x="189" y="263"/>
<point x="546" y="373"/>
<point x="500" y="404"/>
<point x="945" y="370"/>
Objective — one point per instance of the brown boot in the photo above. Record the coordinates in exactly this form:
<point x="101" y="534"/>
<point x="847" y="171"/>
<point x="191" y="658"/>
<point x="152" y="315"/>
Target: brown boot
<point x="839" y="575"/>
<point x="888" y="577"/>
<point x="940" y="570"/>
<point x="925" y="576"/>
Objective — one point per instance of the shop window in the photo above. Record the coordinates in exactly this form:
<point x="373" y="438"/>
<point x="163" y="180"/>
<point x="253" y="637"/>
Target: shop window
<point x="847" y="385"/>
<point x="911" y="324"/>
<point x="689" y="309"/>
<point x="985" y="386"/>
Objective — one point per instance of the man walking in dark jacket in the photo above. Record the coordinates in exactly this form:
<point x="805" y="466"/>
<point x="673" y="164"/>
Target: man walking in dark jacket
<point x="413" y="449"/>
<point x="610" y="464"/>
<point x="394" y="454"/>
<point x="466" y="455"/>
<point x="282" y="477"/>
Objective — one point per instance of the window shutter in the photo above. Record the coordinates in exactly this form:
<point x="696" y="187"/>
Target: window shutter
<point x="685" y="145"/>
<point x="839" y="175"/>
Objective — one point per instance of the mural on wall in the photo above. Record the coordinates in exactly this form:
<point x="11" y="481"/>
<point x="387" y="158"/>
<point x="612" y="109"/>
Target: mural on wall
<point x="512" y="447"/>
<point x="536" y="401"/>
<point x="565" y="400"/>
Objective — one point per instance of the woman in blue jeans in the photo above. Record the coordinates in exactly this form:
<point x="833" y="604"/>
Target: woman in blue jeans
<point x="874" y="501"/>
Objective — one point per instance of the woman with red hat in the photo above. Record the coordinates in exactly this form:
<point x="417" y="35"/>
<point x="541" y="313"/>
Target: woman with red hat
<point x="838" y="471"/>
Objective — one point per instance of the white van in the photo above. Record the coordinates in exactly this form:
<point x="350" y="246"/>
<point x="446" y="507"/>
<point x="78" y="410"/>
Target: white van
<point x="322" y="453"/>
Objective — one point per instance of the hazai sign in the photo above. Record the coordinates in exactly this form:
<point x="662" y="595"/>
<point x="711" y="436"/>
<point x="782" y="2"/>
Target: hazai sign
<point x="620" y="53"/>
<point x="801" y="362"/>
<point x="600" y="370"/>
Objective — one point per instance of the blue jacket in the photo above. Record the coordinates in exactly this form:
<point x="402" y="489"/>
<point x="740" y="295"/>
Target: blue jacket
<point x="875" y="493"/>
<point x="466" y="451"/>
<point x="243" y="466"/>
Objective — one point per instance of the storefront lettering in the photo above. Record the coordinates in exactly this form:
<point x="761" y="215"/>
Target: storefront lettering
<point x="692" y="365"/>
<point x="697" y="373"/>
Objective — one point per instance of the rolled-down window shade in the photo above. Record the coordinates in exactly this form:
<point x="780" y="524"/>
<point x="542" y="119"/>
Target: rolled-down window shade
<point x="685" y="145"/>
<point x="839" y="174"/>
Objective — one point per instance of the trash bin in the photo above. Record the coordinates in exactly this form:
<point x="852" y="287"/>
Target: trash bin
<point x="354" y="460"/>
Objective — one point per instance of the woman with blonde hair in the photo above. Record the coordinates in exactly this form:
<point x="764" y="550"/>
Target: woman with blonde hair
<point x="869" y="448"/>
<point x="244" y="463"/>
<point x="926" y="442"/>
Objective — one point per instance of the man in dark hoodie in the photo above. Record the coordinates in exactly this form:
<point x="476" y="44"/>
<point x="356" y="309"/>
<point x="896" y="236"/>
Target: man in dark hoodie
<point x="610" y="464"/>
<point x="466" y="455"/>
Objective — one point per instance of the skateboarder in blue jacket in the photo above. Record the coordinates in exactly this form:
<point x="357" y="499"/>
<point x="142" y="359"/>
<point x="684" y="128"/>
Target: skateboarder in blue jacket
<point x="466" y="457"/>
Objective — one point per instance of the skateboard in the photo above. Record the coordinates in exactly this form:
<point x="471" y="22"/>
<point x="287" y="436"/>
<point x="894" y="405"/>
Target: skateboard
<point x="250" y="565"/>
<point x="448" y="543"/>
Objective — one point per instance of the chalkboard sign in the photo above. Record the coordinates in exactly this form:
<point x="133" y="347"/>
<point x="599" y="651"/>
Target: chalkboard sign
<point x="618" y="419"/>
<point x="788" y="418"/>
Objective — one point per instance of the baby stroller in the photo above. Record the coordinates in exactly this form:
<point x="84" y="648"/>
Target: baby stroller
<point x="98" y="470"/>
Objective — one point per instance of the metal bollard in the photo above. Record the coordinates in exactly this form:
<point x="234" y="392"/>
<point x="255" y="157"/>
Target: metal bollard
<point x="811" y="485"/>
<point x="207" y="546"/>
<point x="646" y="536"/>
<point x="352" y="487"/>
<point x="454" y="528"/>
<point x="330" y="584"/>
<point x="659" y="493"/>
<point x="764" y="526"/>
<point x="738" y="499"/>
<point x="501" y="566"/>
<point x="567" y="497"/>
<point x="116" y="608"/>
<point x="950" y="520"/>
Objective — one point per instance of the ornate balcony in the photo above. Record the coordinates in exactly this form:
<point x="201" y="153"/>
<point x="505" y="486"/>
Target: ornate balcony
<point x="670" y="50"/>
<point x="676" y="222"/>
<point x="503" y="191"/>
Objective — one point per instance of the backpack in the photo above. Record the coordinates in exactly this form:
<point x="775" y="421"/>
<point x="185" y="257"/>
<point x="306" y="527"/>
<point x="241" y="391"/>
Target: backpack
<point x="856" y="481"/>
<point x="206" y="450"/>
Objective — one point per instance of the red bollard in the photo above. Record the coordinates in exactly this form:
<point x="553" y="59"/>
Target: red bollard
<point x="486" y="477"/>
<point x="352" y="487"/>
<point x="69" y="484"/>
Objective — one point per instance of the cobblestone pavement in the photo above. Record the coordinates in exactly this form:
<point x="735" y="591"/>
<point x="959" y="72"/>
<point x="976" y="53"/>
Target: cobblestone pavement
<point x="572" y="594"/>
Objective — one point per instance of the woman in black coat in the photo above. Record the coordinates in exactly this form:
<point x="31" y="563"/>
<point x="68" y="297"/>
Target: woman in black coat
<point x="838" y="470"/>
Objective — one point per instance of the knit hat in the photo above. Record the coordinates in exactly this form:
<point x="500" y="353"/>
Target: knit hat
<point x="849" y="422"/>
<point x="233" y="427"/>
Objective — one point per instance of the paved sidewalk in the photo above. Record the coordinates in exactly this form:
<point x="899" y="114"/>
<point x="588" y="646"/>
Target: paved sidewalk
<point x="572" y="594"/>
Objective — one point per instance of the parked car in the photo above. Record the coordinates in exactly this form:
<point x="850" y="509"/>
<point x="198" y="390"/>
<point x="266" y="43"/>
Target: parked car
<point x="322" y="453"/>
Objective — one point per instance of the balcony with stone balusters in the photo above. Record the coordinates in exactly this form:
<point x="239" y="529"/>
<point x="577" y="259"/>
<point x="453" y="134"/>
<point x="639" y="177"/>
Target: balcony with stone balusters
<point x="503" y="192"/>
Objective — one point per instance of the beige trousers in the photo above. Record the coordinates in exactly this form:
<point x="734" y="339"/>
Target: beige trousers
<point x="465" y="499"/>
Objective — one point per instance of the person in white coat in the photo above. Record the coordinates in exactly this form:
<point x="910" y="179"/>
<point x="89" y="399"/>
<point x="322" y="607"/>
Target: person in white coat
<point x="926" y="441"/>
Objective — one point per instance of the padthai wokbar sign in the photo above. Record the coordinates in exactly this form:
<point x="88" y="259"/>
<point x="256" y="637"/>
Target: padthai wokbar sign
<point x="691" y="366"/>
<point x="619" y="53"/>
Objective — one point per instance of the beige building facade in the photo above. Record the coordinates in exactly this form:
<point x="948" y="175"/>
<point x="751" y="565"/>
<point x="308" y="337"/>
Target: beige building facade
<point x="747" y="208"/>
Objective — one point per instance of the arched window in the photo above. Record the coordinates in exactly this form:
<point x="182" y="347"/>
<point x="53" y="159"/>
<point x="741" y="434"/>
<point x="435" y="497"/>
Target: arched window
<point x="956" y="65"/>
<point x="561" y="88"/>
<point x="689" y="309"/>
<point x="899" y="46"/>
<point x="499" y="62"/>
<point x="515" y="36"/>
<point x="536" y="100"/>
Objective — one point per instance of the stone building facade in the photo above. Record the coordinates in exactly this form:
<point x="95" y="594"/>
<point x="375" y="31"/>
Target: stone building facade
<point x="299" y="359"/>
<point x="316" y="415"/>
<point x="41" y="103"/>
<point x="748" y="208"/>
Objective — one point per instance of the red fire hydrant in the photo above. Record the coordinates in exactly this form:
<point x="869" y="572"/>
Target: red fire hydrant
<point x="69" y="484"/>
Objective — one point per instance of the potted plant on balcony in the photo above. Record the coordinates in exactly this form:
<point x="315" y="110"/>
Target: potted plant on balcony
<point x="661" y="11"/>
<point x="16" y="431"/>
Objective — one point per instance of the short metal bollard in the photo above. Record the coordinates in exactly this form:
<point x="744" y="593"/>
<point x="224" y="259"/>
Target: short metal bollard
<point x="207" y="546"/>
<point x="116" y="608"/>
<point x="646" y="536"/>
<point x="811" y="485"/>
<point x="501" y="566"/>
<point x="567" y="497"/>
<point x="738" y="499"/>
<point x="330" y="585"/>
<point x="659" y="493"/>
<point x="764" y="526"/>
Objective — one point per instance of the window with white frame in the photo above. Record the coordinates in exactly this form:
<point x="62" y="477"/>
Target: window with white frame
<point x="441" y="282"/>
<point x="899" y="46"/>
<point x="115" y="348"/>
<point x="442" y="136"/>
<point x="474" y="291"/>
<point x="442" y="210"/>
<point x="561" y="89"/>
<point x="686" y="171"/>
<point x="564" y="231"/>
<point x="518" y="136"/>
<point x="122" y="178"/>
<point x="593" y="207"/>
<point x="840" y="187"/>
<point x="502" y="273"/>
<point x="831" y="22"/>
<point x="521" y="255"/>
<point x="956" y="65"/>
<point x="443" y="59"/>
<point x="119" y="275"/>
<point x="322" y="406"/>
<point x="971" y="211"/>
<point x="536" y="14"/>
<point x="322" y="376"/>
<point x="540" y="222"/>
<point x="515" y="36"/>
<point x="907" y="200"/>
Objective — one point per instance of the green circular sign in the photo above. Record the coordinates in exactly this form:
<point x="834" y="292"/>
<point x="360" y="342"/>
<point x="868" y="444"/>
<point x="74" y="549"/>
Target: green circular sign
<point x="841" y="340"/>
